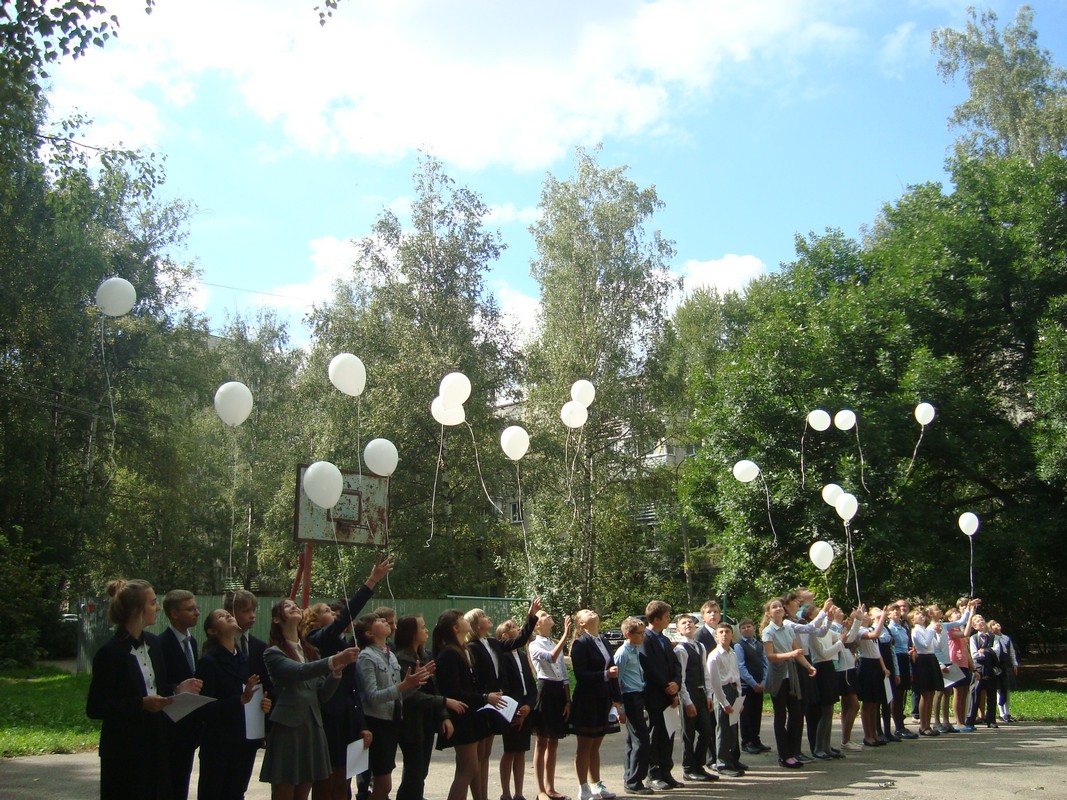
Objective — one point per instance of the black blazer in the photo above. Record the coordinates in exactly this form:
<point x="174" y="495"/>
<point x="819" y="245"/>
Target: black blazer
<point x="511" y="677"/>
<point x="133" y="742"/>
<point x="185" y="734"/>
<point x="487" y="675"/>
<point x="588" y="666"/>
<point x="224" y="675"/>
<point x="706" y="638"/>
<point x="661" y="667"/>
<point x="329" y="641"/>
<point x="257" y="666"/>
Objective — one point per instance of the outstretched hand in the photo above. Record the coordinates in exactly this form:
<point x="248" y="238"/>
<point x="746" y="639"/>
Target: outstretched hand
<point x="382" y="567"/>
<point x="535" y="606"/>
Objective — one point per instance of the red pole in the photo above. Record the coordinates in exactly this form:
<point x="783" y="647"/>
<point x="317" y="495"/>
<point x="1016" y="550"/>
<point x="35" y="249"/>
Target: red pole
<point x="307" y="573"/>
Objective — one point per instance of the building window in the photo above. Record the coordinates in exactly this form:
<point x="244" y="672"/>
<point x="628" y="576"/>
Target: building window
<point x="516" y="513"/>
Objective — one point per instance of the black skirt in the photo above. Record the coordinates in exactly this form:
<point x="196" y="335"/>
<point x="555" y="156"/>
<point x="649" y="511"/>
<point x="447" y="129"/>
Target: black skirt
<point x="871" y="687"/>
<point x="927" y="675"/>
<point x="548" y="712"/>
<point x="846" y="682"/>
<point x="826" y="692"/>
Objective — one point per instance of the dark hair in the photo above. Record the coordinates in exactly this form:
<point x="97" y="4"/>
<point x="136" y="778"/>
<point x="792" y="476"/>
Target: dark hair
<point x="210" y="642"/>
<point x="362" y="628"/>
<point x="127" y="599"/>
<point x="656" y="609"/>
<point x="443" y="633"/>
<point x="276" y="637"/>
<point x="407" y="628"/>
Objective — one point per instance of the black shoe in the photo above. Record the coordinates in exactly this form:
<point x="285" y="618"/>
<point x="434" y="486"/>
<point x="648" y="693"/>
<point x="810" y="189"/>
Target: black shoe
<point x="642" y="789"/>
<point x="695" y="776"/>
<point x="804" y="758"/>
<point x="709" y="776"/>
<point x="740" y="765"/>
<point x="675" y="784"/>
<point x="763" y="748"/>
<point x="822" y="756"/>
<point x="794" y="764"/>
<point x="729" y="771"/>
<point x="904" y="733"/>
<point x="752" y="749"/>
<point x="659" y="785"/>
<point x="929" y="732"/>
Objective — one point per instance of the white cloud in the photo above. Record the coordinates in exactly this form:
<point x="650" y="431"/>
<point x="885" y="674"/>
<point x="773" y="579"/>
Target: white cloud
<point x="731" y="273"/>
<point x="520" y="311"/>
<point x="902" y="49"/>
<point x="331" y="260"/>
<point x="478" y="84"/>
<point x="503" y="214"/>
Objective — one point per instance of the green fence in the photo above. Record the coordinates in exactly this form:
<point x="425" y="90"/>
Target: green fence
<point x="94" y="628"/>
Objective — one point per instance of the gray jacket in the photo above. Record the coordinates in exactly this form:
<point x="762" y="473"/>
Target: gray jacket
<point x="298" y="688"/>
<point x="379" y="679"/>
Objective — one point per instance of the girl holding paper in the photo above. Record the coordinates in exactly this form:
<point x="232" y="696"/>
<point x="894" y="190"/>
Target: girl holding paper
<point x="128" y="691"/>
<point x="226" y="753"/>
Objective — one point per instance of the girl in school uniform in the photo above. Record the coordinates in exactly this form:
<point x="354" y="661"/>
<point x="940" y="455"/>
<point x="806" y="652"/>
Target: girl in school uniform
<point x="456" y="680"/>
<point x="297" y="753"/>
<point x="553" y="702"/>
<point x="824" y="649"/>
<point x="596" y="690"/>
<point x="382" y="691"/>
<point x="848" y="628"/>
<point x="784" y="653"/>
<point x="522" y="688"/>
<point x="926" y="638"/>
<point x="872" y="675"/>
<point x="128" y="691"/>
<point x="226" y="754"/>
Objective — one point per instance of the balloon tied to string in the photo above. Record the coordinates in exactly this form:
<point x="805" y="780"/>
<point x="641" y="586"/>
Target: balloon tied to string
<point x="924" y="415"/>
<point x="968" y="523"/>
<point x="747" y="471"/>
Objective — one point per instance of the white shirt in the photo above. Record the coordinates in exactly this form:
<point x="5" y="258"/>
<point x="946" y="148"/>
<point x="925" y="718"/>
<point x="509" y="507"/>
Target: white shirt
<point x="144" y="661"/>
<point x="721" y="671"/>
<point x="545" y="667"/>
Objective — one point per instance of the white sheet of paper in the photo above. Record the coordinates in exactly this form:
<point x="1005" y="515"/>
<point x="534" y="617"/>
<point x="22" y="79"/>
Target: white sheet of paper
<point x="358" y="759"/>
<point x="255" y="725"/>
<point x="952" y="675"/>
<point x="613" y="716"/>
<point x="888" y="689"/>
<point x="185" y="703"/>
<point x="673" y="719"/>
<point x="735" y="715"/>
<point x="507" y="711"/>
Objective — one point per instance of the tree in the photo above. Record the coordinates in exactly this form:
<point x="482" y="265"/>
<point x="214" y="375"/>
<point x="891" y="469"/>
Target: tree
<point x="1018" y="96"/>
<point x="604" y="282"/>
<point x="415" y="309"/>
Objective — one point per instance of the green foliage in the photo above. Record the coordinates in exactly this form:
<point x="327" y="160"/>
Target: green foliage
<point x="1018" y="97"/>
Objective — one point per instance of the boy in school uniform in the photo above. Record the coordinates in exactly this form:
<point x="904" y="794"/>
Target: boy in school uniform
<point x="632" y="683"/>
<point x="725" y="681"/>
<point x="753" y="666"/>
<point x="180" y="655"/>
<point x="663" y="678"/>
<point x="697" y="728"/>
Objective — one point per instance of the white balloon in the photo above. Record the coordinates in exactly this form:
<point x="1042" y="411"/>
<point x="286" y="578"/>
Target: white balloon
<point x="233" y="403"/>
<point x="924" y="414"/>
<point x="381" y="457"/>
<point x="583" y="392"/>
<point x="746" y="471"/>
<point x="844" y="419"/>
<point x="846" y="506"/>
<point x="969" y="523"/>
<point x="514" y="441"/>
<point x="447" y="416"/>
<point x="819" y="419"/>
<point x="348" y="374"/>
<point x="323" y="484"/>
<point x="821" y="555"/>
<point x="115" y="297"/>
<point x="830" y="493"/>
<point x="573" y="414"/>
<point x="455" y="389"/>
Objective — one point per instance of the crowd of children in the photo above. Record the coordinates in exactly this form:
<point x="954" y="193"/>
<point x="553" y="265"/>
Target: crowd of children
<point x="332" y="677"/>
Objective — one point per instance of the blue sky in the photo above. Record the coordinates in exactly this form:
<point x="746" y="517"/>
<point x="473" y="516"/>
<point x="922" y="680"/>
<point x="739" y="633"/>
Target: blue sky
<point x="755" y="121"/>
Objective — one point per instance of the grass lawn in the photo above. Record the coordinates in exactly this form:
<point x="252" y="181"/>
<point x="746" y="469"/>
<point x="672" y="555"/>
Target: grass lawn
<point x="42" y="710"/>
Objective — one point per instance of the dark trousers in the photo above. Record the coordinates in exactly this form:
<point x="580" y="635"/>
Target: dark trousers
<point x="697" y="733"/>
<point x="751" y="717"/>
<point x="989" y="686"/>
<point x="661" y="752"/>
<point x="637" y="739"/>
<point x="788" y="719"/>
<point x="181" y="767"/>
<point x="727" y="750"/>
<point x="416" y="766"/>
<point x="900" y="692"/>
<point x="225" y="771"/>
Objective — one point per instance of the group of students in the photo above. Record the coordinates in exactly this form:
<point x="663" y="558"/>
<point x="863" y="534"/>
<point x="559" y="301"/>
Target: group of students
<point x="331" y="677"/>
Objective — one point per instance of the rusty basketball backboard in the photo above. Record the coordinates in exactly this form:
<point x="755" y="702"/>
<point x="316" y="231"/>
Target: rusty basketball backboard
<point x="360" y="517"/>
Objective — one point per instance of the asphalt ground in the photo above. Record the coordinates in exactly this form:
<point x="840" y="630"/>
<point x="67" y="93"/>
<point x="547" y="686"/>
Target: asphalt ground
<point x="1018" y="760"/>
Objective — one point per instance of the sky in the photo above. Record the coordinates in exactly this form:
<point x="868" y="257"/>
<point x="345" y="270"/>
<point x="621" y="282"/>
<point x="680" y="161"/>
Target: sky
<point x="755" y="121"/>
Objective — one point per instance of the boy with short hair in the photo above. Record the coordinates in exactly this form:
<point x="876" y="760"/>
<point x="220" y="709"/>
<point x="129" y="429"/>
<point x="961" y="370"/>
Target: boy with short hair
<point x="753" y="666"/>
<point x="697" y="728"/>
<point x="180" y="656"/>
<point x="632" y="684"/>
<point x="725" y="681"/>
<point x="663" y="678"/>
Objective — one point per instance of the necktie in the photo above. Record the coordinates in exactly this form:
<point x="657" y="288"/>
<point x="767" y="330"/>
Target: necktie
<point x="189" y="653"/>
<point x="244" y="643"/>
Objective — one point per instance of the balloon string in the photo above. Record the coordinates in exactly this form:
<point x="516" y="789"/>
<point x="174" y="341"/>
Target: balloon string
<point x="848" y="561"/>
<point x="478" y="464"/>
<point x="767" y="491"/>
<point x="862" y="465"/>
<point x="110" y="402"/>
<point x="855" y="569"/>
<point x="826" y="580"/>
<point x="971" y="538"/>
<point x="436" y="472"/>
<point x="574" y="467"/>
<point x="803" y="434"/>
<point x="522" y="522"/>
<point x="340" y="561"/>
<point x="233" y="502"/>
<point x="914" y="453"/>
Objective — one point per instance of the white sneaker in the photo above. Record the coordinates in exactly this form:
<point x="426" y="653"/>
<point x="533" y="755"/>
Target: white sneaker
<point x="852" y="747"/>
<point x="587" y="791"/>
<point x="603" y="791"/>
